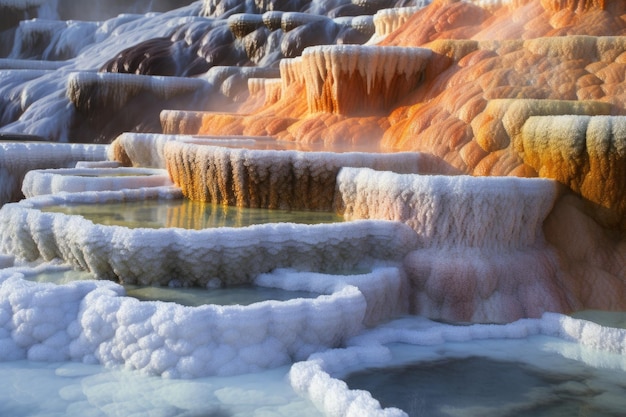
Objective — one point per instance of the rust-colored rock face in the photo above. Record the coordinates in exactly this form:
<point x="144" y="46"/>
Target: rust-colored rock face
<point x="360" y="80"/>
<point x="574" y="5"/>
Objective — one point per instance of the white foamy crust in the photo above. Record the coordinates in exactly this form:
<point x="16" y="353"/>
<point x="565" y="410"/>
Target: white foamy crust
<point x="388" y="20"/>
<point x="73" y="180"/>
<point x="291" y="72"/>
<point x="452" y="211"/>
<point x="195" y="257"/>
<point x="98" y="164"/>
<point x="144" y="149"/>
<point x="384" y="289"/>
<point x="482" y="254"/>
<point x="93" y="322"/>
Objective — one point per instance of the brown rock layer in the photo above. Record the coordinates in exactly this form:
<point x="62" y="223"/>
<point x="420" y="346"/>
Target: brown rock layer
<point x="274" y="179"/>
<point x="588" y="154"/>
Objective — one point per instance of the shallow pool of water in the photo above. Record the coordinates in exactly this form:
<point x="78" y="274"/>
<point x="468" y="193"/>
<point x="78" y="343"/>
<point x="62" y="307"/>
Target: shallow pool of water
<point x="499" y="378"/>
<point x="111" y="174"/>
<point x="234" y="295"/>
<point x="231" y="295"/>
<point x="187" y="214"/>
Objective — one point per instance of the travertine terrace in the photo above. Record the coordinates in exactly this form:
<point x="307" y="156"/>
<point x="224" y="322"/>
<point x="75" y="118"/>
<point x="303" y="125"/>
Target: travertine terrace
<point x="445" y="180"/>
<point x="453" y="88"/>
<point x="522" y="88"/>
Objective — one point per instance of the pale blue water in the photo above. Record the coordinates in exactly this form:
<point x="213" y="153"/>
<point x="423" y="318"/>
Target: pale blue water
<point x="501" y="378"/>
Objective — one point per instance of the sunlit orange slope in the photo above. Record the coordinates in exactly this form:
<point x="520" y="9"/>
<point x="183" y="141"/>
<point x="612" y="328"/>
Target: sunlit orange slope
<point x="491" y="69"/>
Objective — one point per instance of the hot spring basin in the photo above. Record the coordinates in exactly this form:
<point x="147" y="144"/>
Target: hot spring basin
<point x="236" y="295"/>
<point x="186" y="214"/>
<point x="147" y="256"/>
<point x="94" y="321"/>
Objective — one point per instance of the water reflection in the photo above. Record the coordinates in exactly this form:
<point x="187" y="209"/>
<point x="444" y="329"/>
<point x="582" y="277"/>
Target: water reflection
<point x="232" y="295"/>
<point x="186" y="214"/>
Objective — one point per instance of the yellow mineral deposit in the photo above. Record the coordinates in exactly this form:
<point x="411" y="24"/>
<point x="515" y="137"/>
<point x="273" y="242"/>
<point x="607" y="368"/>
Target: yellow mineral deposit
<point x="586" y="153"/>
